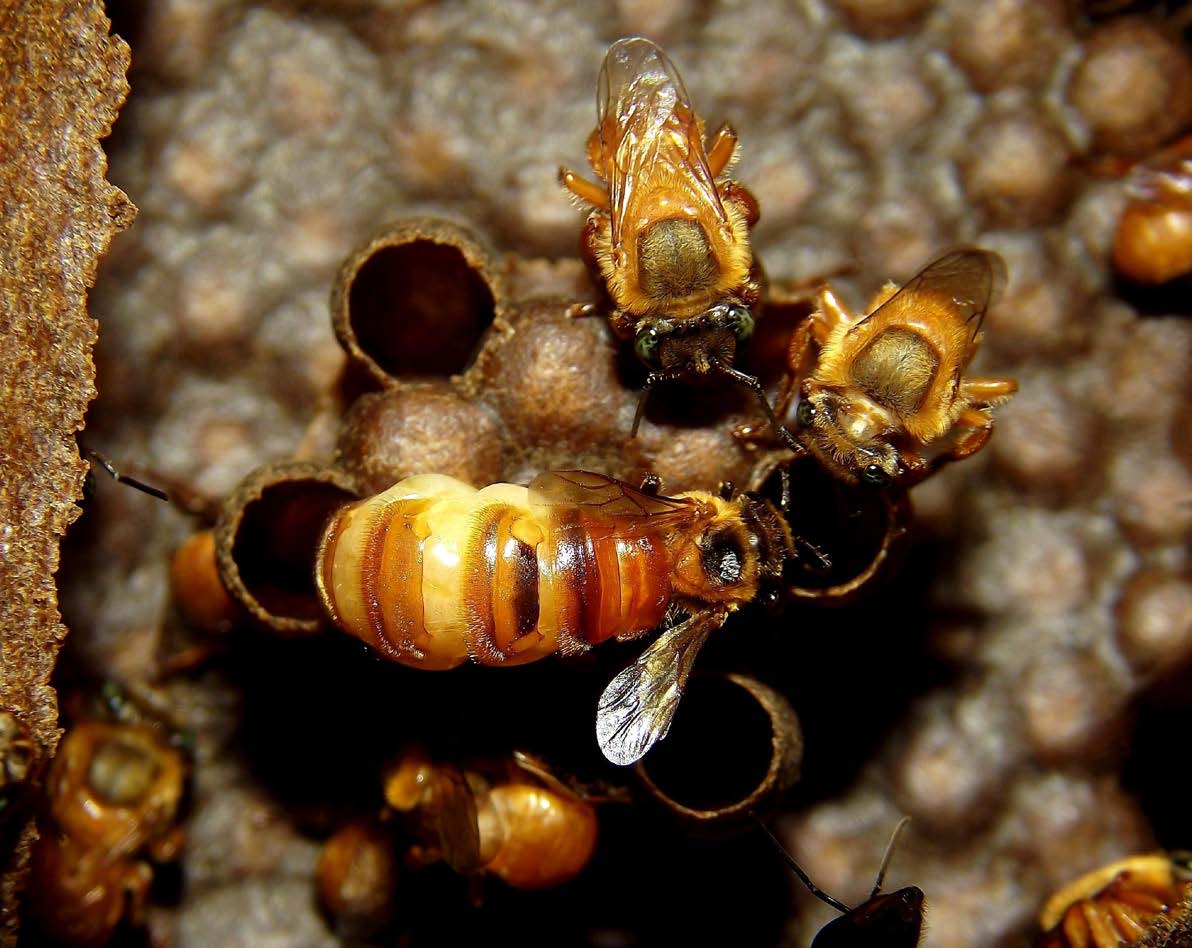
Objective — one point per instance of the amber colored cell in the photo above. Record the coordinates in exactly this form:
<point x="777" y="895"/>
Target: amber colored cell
<point x="1133" y="87"/>
<point x="356" y="876"/>
<point x="197" y="588"/>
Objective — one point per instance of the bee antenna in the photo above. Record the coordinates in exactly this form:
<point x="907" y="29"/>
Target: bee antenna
<point x="751" y="382"/>
<point x="881" y="872"/>
<point x="798" y="870"/>
<point x="116" y="475"/>
<point x="651" y="380"/>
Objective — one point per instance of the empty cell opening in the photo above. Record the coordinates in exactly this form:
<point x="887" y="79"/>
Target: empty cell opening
<point x="420" y="309"/>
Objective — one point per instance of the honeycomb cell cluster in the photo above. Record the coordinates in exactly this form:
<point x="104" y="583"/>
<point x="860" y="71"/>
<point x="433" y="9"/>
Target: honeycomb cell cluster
<point x="353" y="261"/>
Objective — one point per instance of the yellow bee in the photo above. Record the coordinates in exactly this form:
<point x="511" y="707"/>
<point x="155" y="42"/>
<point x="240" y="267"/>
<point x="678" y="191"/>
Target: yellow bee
<point x="512" y="819"/>
<point x="1136" y="900"/>
<point x="882" y="387"/>
<point x="1153" y="240"/>
<point x="667" y="237"/>
<point x="433" y="572"/>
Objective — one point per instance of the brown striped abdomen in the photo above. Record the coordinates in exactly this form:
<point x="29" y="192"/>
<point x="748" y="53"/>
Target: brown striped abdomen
<point x="432" y="571"/>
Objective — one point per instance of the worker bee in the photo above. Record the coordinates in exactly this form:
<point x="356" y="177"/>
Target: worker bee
<point x="433" y="572"/>
<point x="515" y="821"/>
<point x="666" y="238"/>
<point x="884" y="920"/>
<point x="112" y="796"/>
<point x="1136" y="900"/>
<point x="1153" y="240"/>
<point x="884" y="386"/>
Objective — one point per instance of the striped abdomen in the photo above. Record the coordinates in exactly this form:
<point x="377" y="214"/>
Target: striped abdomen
<point x="432" y="572"/>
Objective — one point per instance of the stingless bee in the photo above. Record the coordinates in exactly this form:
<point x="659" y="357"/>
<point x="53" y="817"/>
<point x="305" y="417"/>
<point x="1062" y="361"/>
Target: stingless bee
<point x="884" y="386"/>
<point x="514" y="820"/>
<point x="1153" y="240"/>
<point x="113" y="792"/>
<point x="884" y="920"/>
<point x="1123" y="903"/>
<point x="666" y="238"/>
<point x="433" y="572"/>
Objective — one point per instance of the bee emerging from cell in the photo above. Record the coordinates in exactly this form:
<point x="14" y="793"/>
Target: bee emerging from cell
<point x="876" y="391"/>
<point x="113" y="792"/>
<point x="668" y="236"/>
<point x="513" y="819"/>
<point x="433" y="572"/>
<point x="1134" y="901"/>
<point x="1153" y="241"/>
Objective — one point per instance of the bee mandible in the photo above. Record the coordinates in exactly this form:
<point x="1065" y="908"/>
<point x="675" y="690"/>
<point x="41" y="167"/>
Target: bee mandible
<point x="884" y="920"/>
<point x="519" y="823"/>
<point x="884" y="386"/>
<point x="433" y="572"/>
<point x="1122" y="903"/>
<point x="668" y="236"/>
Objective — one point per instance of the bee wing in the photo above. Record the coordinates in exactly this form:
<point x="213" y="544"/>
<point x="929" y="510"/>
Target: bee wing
<point x="636" y="709"/>
<point x="968" y="277"/>
<point x="647" y="126"/>
<point x="623" y="507"/>
<point x="450" y="810"/>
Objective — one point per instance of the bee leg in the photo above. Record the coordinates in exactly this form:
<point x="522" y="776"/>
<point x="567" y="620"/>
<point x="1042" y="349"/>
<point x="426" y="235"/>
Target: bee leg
<point x="135" y="881"/>
<point x="979" y="425"/>
<point x="584" y="189"/>
<point x="722" y="150"/>
<point x="984" y="392"/>
<point x="740" y="195"/>
<point x="751" y="382"/>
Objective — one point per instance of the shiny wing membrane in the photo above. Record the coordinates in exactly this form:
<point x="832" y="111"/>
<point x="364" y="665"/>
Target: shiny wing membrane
<point x="450" y="811"/>
<point x="636" y="709"/>
<point x="625" y="509"/>
<point x="648" y="127"/>
<point x="968" y="276"/>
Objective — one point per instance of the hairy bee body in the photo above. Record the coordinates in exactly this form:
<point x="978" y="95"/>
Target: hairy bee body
<point x="883" y="386"/>
<point x="432" y="571"/>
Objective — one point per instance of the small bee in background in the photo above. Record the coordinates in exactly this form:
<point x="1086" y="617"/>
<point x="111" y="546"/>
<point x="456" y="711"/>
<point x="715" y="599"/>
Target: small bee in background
<point x="515" y="821"/>
<point x="666" y="238"/>
<point x="1136" y="900"/>
<point x="112" y="796"/>
<point x="884" y="920"/>
<point x="1153" y="240"/>
<point x="433" y="572"/>
<point x="885" y="386"/>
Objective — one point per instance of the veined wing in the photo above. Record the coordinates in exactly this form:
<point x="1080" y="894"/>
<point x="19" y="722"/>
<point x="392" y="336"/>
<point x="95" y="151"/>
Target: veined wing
<point x="625" y="509"/>
<point x="965" y="278"/>
<point x="648" y="128"/>
<point x="637" y="707"/>
<point x="450" y="810"/>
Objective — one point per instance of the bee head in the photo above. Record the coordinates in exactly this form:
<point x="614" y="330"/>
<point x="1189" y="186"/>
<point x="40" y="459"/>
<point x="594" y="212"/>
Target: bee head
<point x="694" y="347"/>
<point x="849" y="437"/>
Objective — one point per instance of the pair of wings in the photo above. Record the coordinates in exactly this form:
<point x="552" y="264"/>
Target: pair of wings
<point x="647" y="128"/>
<point x="967" y="277"/>
<point x="636" y="709"/>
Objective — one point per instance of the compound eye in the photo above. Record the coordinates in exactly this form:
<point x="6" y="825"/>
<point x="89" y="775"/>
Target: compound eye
<point x="804" y="414"/>
<point x="873" y="474"/>
<point x="645" y="344"/>
<point x="735" y="317"/>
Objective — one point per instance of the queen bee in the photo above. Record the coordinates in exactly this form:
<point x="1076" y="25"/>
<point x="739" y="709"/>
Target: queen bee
<point x="433" y="572"/>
